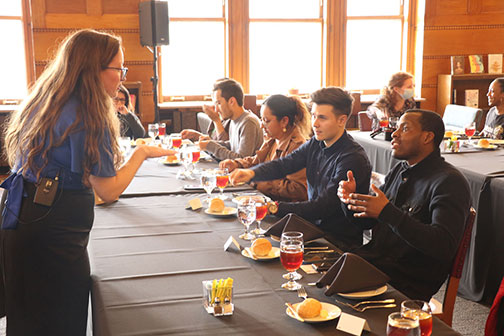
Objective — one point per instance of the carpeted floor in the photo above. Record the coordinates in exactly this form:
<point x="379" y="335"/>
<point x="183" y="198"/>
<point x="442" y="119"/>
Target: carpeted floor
<point x="469" y="317"/>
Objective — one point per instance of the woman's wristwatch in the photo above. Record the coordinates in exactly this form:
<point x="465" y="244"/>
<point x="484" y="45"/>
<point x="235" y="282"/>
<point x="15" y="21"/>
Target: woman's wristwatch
<point x="273" y="207"/>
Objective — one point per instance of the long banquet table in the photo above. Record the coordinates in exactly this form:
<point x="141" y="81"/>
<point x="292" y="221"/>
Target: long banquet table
<point x="149" y="256"/>
<point x="484" y="266"/>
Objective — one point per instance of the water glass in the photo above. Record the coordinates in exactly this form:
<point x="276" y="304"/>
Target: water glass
<point x="125" y="145"/>
<point x="421" y="310"/>
<point x="291" y="256"/>
<point x="153" y="131"/>
<point x="247" y="215"/>
<point x="208" y="182"/>
<point x="399" y="325"/>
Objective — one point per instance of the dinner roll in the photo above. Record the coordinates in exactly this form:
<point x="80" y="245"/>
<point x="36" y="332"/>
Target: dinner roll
<point x="483" y="143"/>
<point x="140" y="142"/>
<point x="216" y="205"/>
<point x="261" y="247"/>
<point x="171" y="158"/>
<point x="309" y="308"/>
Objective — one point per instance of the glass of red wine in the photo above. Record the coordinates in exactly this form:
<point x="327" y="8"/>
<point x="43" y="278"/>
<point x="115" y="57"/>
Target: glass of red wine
<point x="470" y="130"/>
<point x="291" y="256"/>
<point x="222" y="176"/>
<point x="261" y="212"/>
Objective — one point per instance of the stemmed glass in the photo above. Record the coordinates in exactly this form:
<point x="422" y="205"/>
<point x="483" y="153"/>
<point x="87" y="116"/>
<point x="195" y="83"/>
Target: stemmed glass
<point x="261" y="212"/>
<point x="195" y="156"/>
<point x="399" y="325"/>
<point x="470" y="130"/>
<point x="208" y="182"/>
<point x="383" y="122"/>
<point x="291" y="256"/>
<point x="153" y="131"/>
<point x="162" y="131"/>
<point x="175" y="140"/>
<point x="186" y="158"/>
<point x="222" y="181"/>
<point x="421" y="310"/>
<point x="247" y="215"/>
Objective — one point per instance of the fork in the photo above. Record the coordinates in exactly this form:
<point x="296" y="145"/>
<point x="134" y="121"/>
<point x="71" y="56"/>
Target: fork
<point x="302" y="293"/>
<point x="362" y="309"/>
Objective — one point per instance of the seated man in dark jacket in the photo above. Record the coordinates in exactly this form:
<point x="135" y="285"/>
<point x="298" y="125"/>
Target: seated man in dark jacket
<point x="327" y="156"/>
<point x="419" y="214"/>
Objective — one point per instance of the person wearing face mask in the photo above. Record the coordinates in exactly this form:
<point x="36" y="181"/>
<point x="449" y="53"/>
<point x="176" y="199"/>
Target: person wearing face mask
<point x="396" y="98"/>
<point x="494" y="122"/>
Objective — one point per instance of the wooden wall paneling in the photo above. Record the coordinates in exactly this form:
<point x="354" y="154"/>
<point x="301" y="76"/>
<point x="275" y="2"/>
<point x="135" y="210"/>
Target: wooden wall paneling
<point x="432" y="66"/>
<point x="94" y="7"/>
<point x="466" y="41"/>
<point x="457" y="7"/>
<point x="492" y="6"/>
<point x="120" y="6"/>
<point x="65" y="6"/>
<point x="429" y="94"/>
<point x="106" y="21"/>
<point x="38" y="12"/>
<point x="46" y="44"/>
<point x="335" y="39"/>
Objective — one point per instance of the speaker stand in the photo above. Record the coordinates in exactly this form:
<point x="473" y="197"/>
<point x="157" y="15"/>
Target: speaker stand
<point x="155" y="79"/>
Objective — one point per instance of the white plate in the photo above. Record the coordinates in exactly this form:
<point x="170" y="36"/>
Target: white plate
<point x="274" y="253"/>
<point x="170" y="163"/>
<point x="228" y="211"/>
<point x="365" y="294"/>
<point x="332" y="313"/>
<point x="489" y="147"/>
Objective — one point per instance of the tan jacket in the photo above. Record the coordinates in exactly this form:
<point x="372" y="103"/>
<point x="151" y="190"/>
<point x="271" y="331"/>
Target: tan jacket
<point x="290" y="188"/>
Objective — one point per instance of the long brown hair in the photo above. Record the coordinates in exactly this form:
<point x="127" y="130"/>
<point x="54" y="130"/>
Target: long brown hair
<point x="75" y="70"/>
<point x="397" y="80"/>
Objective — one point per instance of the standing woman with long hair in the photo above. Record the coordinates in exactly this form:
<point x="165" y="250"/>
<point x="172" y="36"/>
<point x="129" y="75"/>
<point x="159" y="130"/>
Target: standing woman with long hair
<point x="395" y="99"/>
<point x="61" y="144"/>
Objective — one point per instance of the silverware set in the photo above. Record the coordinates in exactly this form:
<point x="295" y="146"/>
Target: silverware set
<point x="365" y="305"/>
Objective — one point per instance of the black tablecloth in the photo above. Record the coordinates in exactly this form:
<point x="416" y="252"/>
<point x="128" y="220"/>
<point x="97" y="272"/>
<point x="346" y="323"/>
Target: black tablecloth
<point x="482" y="274"/>
<point x="149" y="256"/>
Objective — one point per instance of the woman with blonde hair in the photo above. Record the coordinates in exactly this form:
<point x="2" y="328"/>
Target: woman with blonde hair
<point x="396" y="98"/>
<point x="61" y="144"/>
<point x="286" y="125"/>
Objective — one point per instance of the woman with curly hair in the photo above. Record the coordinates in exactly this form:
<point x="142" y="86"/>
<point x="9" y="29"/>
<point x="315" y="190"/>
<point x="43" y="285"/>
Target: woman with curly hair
<point x="396" y="98"/>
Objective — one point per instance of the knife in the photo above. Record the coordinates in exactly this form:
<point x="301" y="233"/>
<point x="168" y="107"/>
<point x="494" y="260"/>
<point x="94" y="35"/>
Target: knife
<point x="294" y="312"/>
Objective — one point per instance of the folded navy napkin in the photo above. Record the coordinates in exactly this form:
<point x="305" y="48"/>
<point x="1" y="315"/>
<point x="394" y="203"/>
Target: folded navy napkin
<point x="351" y="273"/>
<point x="292" y="222"/>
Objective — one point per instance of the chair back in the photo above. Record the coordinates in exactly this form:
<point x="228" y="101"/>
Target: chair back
<point x="365" y="123"/>
<point x="250" y="103"/>
<point x="204" y="122"/>
<point x="458" y="265"/>
<point x="457" y="117"/>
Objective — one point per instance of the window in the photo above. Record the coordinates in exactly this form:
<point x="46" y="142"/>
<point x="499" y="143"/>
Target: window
<point x="285" y="46"/>
<point x="196" y="55"/>
<point x="374" y="42"/>
<point x="273" y="46"/>
<point x="12" y="63"/>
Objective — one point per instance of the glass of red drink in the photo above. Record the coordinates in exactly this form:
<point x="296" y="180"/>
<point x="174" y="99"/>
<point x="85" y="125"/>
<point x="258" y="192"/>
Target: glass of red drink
<point x="162" y="130"/>
<point x="399" y="325"/>
<point x="222" y="181"/>
<point x="291" y="256"/>
<point x="470" y="130"/>
<point x="421" y="310"/>
<point x="175" y="140"/>
<point x="261" y="212"/>
<point x="384" y="122"/>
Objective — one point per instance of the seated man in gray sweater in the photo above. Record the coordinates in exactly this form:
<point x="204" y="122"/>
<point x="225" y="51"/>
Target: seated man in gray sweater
<point x="245" y="134"/>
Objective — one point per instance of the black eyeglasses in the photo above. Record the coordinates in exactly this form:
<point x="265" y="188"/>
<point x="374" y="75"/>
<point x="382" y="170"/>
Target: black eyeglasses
<point x="124" y="71"/>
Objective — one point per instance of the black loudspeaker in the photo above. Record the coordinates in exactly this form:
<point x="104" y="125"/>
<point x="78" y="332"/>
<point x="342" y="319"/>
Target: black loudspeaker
<point x="153" y="23"/>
